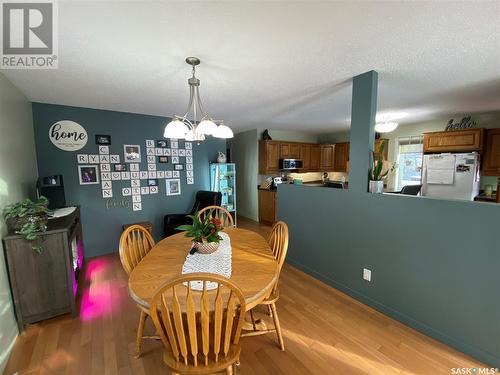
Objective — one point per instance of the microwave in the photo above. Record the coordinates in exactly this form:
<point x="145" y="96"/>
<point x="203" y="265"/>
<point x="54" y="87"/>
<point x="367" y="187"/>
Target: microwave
<point x="288" y="164"/>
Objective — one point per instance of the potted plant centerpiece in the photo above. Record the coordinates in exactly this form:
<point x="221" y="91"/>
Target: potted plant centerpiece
<point x="379" y="171"/>
<point x="29" y="219"/>
<point x="205" y="232"/>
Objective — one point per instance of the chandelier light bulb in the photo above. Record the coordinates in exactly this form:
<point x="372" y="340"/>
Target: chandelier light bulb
<point x="206" y="127"/>
<point x="223" y="132"/>
<point x="175" y="129"/>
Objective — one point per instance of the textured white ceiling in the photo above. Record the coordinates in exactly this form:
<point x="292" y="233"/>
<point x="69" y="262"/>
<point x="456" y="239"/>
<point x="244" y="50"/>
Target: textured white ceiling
<point x="281" y="65"/>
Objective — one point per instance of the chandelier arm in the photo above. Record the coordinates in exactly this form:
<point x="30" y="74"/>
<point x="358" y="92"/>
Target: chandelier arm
<point x="191" y="99"/>
<point x="200" y="104"/>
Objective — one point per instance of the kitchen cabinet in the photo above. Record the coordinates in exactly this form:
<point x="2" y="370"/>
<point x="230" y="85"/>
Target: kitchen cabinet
<point x="305" y="155"/>
<point x="315" y="158"/>
<point x="289" y="150"/>
<point x="267" y="206"/>
<point x="341" y="157"/>
<point x="491" y="161"/>
<point x="327" y="154"/>
<point x="454" y="141"/>
<point x="269" y="155"/>
<point x="385" y="151"/>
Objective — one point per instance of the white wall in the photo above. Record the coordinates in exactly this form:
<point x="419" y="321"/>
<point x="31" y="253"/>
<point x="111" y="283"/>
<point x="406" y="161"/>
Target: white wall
<point x="18" y="173"/>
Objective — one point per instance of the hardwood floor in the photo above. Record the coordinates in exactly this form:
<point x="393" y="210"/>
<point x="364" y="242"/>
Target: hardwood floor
<point x="325" y="332"/>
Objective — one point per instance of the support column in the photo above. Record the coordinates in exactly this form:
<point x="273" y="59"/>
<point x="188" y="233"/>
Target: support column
<point x="364" y="109"/>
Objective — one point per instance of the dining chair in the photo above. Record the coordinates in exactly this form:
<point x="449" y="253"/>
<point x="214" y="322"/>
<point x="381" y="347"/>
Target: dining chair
<point x="278" y="242"/>
<point x="200" y="329"/>
<point x="219" y="212"/>
<point x="135" y="243"/>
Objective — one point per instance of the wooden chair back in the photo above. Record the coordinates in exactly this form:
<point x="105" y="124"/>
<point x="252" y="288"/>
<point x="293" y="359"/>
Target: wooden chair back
<point x="198" y="328"/>
<point x="218" y="212"/>
<point x="135" y="243"/>
<point x="278" y="241"/>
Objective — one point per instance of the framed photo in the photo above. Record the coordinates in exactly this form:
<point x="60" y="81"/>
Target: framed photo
<point x="120" y="167"/>
<point x="132" y="153"/>
<point x="88" y="174"/>
<point x="153" y="182"/>
<point x="161" y="143"/>
<point x="102" y="139"/>
<point x="173" y="186"/>
<point x="179" y="167"/>
<point x="162" y="159"/>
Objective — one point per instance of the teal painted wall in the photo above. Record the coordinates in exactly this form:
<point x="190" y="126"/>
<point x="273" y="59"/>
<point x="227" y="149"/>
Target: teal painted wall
<point x="435" y="263"/>
<point x="245" y="153"/>
<point x="18" y="174"/>
<point x="102" y="227"/>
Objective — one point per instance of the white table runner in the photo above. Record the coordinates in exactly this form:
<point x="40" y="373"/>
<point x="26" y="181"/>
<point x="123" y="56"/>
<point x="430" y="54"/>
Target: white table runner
<point x="219" y="262"/>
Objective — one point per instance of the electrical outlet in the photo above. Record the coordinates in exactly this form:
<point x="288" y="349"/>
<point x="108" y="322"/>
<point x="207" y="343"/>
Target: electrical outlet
<point x="367" y="274"/>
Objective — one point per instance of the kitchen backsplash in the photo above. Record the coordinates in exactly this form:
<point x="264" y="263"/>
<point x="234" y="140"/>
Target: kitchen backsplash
<point x="312" y="176"/>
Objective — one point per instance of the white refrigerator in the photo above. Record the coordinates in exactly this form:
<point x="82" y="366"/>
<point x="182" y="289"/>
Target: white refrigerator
<point x="451" y="176"/>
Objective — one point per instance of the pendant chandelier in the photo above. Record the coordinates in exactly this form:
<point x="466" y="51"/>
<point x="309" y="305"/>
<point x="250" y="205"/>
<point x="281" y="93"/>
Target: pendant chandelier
<point x="188" y="127"/>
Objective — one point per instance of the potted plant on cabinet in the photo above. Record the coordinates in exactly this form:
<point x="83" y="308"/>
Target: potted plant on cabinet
<point x="204" y="231"/>
<point x="379" y="171"/>
<point x="29" y="219"/>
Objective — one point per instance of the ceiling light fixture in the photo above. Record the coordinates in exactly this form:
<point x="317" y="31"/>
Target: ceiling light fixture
<point x="386" y="127"/>
<point x="181" y="127"/>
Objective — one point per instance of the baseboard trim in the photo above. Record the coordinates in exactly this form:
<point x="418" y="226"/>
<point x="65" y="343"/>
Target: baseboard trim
<point x="485" y="357"/>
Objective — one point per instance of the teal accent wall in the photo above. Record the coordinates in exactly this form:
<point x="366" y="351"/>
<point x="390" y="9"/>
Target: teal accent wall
<point x="18" y="174"/>
<point x="435" y="263"/>
<point x="102" y="227"/>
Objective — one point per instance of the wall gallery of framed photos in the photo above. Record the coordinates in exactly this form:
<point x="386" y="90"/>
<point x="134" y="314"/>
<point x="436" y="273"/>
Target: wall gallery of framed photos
<point x="103" y="219"/>
<point x="170" y="161"/>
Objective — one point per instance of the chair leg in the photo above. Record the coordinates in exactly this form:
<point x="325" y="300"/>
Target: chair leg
<point x="253" y="320"/>
<point x="140" y="333"/>
<point x="229" y="370"/>
<point x="277" y="326"/>
<point x="270" y="310"/>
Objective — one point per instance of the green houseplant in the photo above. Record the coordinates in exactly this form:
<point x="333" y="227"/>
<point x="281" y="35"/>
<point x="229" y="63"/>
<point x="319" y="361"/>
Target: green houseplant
<point x="379" y="171"/>
<point x="204" y="231"/>
<point x="29" y="219"/>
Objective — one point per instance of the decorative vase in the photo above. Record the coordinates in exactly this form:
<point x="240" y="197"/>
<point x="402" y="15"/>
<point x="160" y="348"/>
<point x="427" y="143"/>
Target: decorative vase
<point x="376" y="187"/>
<point x="221" y="157"/>
<point x="206" y="247"/>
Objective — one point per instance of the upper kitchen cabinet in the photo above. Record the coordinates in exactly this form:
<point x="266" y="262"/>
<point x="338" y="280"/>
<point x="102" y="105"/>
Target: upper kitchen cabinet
<point x="454" y="141"/>
<point x="289" y="150"/>
<point x="327" y="155"/>
<point x="315" y="158"/>
<point x="269" y="155"/>
<point x="385" y="152"/>
<point x="305" y="155"/>
<point x="491" y="163"/>
<point x="341" y="157"/>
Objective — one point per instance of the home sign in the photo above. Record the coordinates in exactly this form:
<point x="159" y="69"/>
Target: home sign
<point x="68" y="135"/>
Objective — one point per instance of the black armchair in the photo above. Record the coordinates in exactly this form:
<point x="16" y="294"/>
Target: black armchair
<point x="203" y="199"/>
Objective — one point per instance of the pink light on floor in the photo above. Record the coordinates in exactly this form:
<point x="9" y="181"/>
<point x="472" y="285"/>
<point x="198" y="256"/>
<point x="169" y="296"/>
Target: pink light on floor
<point x="99" y="298"/>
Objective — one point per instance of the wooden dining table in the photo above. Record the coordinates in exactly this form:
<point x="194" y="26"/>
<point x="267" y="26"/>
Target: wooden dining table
<point x="254" y="268"/>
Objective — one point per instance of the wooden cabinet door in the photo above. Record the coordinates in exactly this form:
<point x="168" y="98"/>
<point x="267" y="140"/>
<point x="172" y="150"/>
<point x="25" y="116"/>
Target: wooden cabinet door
<point x="385" y="152"/>
<point x="294" y="150"/>
<point x="315" y="158"/>
<point x="491" y="164"/>
<point x="341" y="157"/>
<point x="269" y="157"/>
<point x="327" y="155"/>
<point x="285" y="150"/>
<point x="454" y="141"/>
<point x="305" y="155"/>
<point x="267" y="206"/>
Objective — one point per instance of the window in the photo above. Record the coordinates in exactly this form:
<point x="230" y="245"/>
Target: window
<point x="409" y="170"/>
